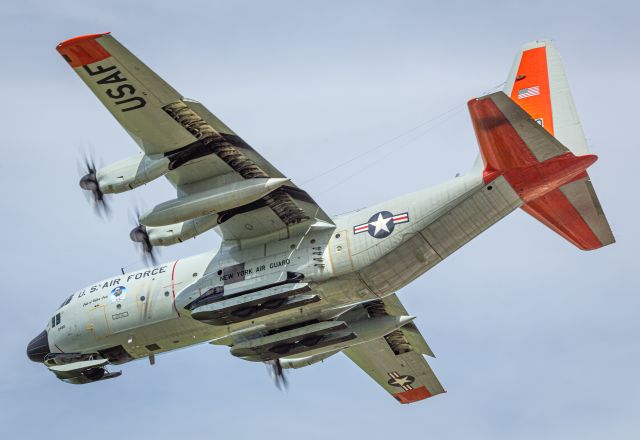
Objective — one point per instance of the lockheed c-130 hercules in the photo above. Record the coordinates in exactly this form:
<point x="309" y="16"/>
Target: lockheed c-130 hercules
<point x="290" y="285"/>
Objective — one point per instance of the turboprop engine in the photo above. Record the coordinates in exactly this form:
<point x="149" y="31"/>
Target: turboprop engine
<point x="124" y="175"/>
<point x="172" y="234"/>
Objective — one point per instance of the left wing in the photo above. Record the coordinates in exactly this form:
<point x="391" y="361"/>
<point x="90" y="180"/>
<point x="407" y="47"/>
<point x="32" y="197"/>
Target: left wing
<point x="203" y="153"/>
<point x="396" y="361"/>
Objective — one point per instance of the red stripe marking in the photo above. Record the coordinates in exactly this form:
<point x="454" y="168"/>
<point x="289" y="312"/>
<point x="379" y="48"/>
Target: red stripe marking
<point x="82" y="50"/>
<point x="413" y="395"/>
<point x="173" y="289"/>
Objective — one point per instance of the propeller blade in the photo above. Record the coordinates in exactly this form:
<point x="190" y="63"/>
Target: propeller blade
<point x="140" y="235"/>
<point x="276" y="371"/>
<point x="89" y="183"/>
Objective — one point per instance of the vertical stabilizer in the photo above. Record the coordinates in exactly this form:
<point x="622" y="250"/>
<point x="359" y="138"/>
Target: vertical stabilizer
<point x="546" y="166"/>
<point x="537" y="83"/>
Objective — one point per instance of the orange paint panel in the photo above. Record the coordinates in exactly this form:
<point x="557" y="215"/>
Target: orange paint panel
<point x="501" y="146"/>
<point x="82" y="50"/>
<point x="535" y="181"/>
<point x="556" y="212"/>
<point x="533" y="72"/>
<point x="505" y="153"/>
<point x="413" y="395"/>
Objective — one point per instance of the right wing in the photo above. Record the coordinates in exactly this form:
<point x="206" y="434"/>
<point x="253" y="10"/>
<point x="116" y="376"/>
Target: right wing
<point x="203" y="151"/>
<point x="396" y="361"/>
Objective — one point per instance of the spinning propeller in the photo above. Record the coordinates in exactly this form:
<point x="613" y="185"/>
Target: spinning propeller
<point x="89" y="183"/>
<point x="277" y="373"/>
<point x="140" y="235"/>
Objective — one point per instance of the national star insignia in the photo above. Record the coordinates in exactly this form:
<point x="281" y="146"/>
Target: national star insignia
<point x="401" y="381"/>
<point x="381" y="224"/>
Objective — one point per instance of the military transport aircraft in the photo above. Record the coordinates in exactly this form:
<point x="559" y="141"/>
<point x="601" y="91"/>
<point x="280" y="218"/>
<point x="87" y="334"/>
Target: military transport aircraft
<point x="291" y="285"/>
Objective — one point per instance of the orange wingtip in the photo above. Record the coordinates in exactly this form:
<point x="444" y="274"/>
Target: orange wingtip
<point x="82" y="50"/>
<point x="413" y="395"/>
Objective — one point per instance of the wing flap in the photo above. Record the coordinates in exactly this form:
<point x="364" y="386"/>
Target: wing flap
<point x="393" y="306"/>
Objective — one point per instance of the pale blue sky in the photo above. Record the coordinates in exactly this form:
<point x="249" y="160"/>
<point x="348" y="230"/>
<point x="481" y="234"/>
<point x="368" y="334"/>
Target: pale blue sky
<point x="534" y="338"/>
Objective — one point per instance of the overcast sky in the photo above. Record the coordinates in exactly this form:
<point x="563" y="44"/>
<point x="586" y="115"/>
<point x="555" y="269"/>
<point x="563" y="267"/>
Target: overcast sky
<point x="535" y="339"/>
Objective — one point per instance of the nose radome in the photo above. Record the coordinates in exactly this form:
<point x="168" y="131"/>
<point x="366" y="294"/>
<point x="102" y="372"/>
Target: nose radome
<point x="38" y="348"/>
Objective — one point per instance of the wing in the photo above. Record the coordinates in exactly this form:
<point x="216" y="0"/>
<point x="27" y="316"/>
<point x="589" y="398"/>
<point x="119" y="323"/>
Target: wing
<point x="396" y="361"/>
<point x="203" y="151"/>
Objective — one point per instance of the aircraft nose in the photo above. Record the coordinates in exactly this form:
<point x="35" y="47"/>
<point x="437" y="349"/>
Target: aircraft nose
<point x="38" y="348"/>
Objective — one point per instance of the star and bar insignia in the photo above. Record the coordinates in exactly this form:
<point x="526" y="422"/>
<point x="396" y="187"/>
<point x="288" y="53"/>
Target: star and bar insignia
<point x="403" y="381"/>
<point x="381" y="224"/>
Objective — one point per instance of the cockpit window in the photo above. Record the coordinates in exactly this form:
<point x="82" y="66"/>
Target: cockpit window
<point x="66" y="301"/>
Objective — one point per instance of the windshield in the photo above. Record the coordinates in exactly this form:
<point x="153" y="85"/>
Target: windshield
<point x="66" y="301"/>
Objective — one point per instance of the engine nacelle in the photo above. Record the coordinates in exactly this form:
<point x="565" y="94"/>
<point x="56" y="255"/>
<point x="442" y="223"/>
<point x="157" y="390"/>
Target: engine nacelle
<point x="131" y="173"/>
<point x="231" y="195"/>
<point x="172" y="234"/>
<point x="300" y="362"/>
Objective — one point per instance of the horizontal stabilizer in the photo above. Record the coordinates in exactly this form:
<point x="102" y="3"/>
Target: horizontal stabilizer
<point x="574" y="212"/>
